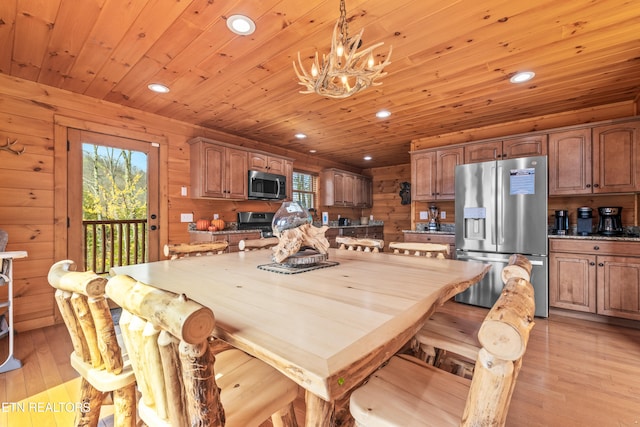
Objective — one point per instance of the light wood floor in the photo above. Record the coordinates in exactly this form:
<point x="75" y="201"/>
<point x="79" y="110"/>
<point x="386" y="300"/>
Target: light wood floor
<point x="575" y="373"/>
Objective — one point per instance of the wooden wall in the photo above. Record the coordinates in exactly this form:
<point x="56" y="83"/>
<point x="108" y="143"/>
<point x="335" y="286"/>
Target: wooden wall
<point x="386" y="200"/>
<point x="30" y="189"/>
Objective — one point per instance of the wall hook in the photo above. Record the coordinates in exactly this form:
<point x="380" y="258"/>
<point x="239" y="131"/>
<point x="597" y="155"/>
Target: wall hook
<point x="11" y="144"/>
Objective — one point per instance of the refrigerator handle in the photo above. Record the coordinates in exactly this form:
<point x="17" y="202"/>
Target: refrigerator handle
<point x="499" y="207"/>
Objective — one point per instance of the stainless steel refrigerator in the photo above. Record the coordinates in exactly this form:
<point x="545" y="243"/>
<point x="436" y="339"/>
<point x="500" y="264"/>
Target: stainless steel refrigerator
<point x="501" y="209"/>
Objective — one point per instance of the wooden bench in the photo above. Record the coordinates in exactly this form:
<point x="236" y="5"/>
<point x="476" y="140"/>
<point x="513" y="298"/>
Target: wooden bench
<point x="430" y="250"/>
<point x="257" y="244"/>
<point x="360" y="244"/>
<point x="181" y="380"/>
<point x="407" y="391"/>
<point x="96" y="355"/>
<point x="181" y="250"/>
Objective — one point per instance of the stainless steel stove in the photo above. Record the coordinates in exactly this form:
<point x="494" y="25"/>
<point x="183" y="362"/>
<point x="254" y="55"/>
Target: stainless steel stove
<point x="256" y="221"/>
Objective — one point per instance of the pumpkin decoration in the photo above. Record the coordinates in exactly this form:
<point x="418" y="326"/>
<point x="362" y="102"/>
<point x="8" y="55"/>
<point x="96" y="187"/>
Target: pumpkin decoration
<point x="202" y="225"/>
<point x="218" y="224"/>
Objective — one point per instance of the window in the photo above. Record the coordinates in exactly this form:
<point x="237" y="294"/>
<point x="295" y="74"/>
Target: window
<point x="304" y="189"/>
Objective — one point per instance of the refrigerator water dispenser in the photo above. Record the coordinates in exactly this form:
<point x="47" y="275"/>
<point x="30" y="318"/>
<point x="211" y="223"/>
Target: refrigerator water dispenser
<point x="475" y="223"/>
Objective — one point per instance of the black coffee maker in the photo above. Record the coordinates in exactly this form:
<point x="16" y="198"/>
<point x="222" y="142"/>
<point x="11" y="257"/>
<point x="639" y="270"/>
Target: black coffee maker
<point x="562" y="222"/>
<point x="585" y="221"/>
<point x="610" y="223"/>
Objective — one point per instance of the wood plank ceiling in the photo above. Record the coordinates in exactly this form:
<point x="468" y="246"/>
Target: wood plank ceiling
<point x="449" y="70"/>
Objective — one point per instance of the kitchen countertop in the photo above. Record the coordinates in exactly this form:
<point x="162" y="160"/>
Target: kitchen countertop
<point x="624" y="238"/>
<point x="448" y="233"/>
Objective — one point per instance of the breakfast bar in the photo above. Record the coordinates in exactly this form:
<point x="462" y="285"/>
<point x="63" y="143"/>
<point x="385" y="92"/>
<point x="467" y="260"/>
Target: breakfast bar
<point x="328" y="328"/>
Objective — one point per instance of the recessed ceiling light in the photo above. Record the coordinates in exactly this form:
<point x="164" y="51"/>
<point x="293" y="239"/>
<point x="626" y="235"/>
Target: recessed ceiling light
<point x="300" y="135"/>
<point x="522" y="77"/>
<point x="383" y="114"/>
<point x="158" y="88"/>
<point x="312" y="151"/>
<point x="241" y="25"/>
<point x="368" y="157"/>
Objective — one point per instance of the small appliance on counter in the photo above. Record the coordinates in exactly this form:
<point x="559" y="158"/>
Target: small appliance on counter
<point x="562" y="222"/>
<point x="585" y="221"/>
<point x="433" y="218"/>
<point x="610" y="223"/>
<point x="344" y="222"/>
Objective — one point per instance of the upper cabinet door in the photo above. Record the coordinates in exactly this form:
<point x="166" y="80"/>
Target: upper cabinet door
<point x="423" y="176"/>
<point x="615" y="158"/>
<point x="526" y="146"/>
<point x="236" y="174"/>
<point x="446" y="163"/>
<point x="483" y="152"/>
<point x="570" y="162"/>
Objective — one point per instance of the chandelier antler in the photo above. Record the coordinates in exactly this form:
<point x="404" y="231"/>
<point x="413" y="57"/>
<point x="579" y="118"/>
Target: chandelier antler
<point x="345" y="71"/>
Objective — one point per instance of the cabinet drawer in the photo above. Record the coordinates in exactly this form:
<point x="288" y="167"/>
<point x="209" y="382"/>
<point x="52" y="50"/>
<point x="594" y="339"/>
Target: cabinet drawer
<point x="595" y="247"/>
<point x="430" y="238"/>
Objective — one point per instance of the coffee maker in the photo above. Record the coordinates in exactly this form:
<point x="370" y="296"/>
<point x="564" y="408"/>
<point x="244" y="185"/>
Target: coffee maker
<point x="610" y="223"/>
<point x="562" y="222"/>
<point x="585" y="221"/>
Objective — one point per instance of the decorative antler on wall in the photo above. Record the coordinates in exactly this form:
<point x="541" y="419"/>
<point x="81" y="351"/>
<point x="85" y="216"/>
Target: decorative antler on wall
<point x="11" y="144"/>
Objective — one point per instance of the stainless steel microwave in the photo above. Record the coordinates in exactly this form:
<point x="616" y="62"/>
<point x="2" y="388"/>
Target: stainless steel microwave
<point x="267" y="186"/>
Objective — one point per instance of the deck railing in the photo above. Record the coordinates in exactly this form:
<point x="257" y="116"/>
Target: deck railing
<point x="112" y="243"/>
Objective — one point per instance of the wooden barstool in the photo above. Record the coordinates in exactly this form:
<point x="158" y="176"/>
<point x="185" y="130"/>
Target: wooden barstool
<point x="429" y="250"/>
<point x="96" y="355"/>
<point x="407" y="391"/>
<point x="360" y="244"/>
<point x="182" y="250"/>
<point x="181" y="380"/>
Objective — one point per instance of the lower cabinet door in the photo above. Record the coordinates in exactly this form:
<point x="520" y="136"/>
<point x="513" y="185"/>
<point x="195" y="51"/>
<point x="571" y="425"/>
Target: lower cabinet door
<point x="619" y="286"/>
<point x="572" y="281"/>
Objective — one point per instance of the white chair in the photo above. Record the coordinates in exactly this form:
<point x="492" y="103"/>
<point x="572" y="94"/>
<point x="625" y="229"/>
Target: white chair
<point x="181" y="381"/>
<point x="409" y="392"/>
<point x="96" y="355"/>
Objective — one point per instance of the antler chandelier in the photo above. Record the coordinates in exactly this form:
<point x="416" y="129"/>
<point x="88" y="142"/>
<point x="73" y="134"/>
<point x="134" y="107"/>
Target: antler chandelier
<point x="345" y="71"/>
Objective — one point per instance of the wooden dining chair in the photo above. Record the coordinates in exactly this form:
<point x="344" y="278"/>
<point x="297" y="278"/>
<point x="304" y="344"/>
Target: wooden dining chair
<point x="409" y="392"/>
<point x="360" y="244"/>
<point x="430" y="250"/>
<point x="448" y="337"/>
<point x="257" y="244"/>
<point x="182" y="250"/>
<point x="181" y="381"/>
<point x="96" y="355"/>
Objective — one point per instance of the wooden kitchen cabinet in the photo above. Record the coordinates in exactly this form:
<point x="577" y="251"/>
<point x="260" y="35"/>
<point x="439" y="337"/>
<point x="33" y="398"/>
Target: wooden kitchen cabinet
<point x="217" y="170"/>
<point x="444" y="239"/>
<point x="602" y="159"/>
<point x="433" y="173"/>
<point x="267" y="163"/>
<point x="342" y="188"/>
<point x="526" y="146"/>
<point x="596" y="276"/>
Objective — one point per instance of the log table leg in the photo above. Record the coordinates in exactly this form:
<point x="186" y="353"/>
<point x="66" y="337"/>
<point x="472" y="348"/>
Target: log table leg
<point x="319" y="412"/>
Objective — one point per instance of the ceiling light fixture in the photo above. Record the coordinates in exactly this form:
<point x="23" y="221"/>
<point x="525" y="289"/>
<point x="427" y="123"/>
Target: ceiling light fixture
<point x="383" y="114"/>
<point x="522" y="77"/>
<point x="367" y="158"/>
<point x="300" y="135"/>
<point x="345" y="71"/>
<point x="241" y="25"/>
<point x="158" y="88"/>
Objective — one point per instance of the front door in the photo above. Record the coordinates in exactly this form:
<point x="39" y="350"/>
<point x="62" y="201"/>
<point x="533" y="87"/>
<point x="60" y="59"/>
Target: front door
<point x="113" y="200"/>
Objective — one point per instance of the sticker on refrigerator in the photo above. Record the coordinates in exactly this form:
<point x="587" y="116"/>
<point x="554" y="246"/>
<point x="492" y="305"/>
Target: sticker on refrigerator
<point x="522" y="181"/>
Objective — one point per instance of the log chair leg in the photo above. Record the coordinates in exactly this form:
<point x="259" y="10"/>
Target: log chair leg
<point x="91" y="399"/>
<point x="285" y="417"/>
<point x="124" y="402"/>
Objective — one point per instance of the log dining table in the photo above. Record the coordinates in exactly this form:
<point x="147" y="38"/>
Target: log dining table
<point x="327" y="329"/>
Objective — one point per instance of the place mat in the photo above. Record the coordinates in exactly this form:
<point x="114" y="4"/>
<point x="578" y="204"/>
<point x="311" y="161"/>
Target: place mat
<point x="287" y="269"/>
